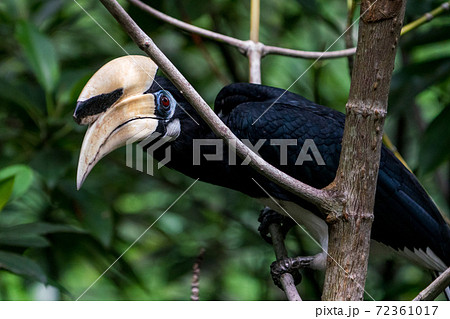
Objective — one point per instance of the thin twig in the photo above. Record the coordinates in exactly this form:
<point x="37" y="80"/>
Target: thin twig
<point x="287" y="281"/>
<point x="188" y="27"/>
<point x="196" y="276"/>
<point x="307" y="54"/>
<point x="267" y="49"/>
<point x="243" y="46"/>
<point x="435" y="288"/>
<point x="427" y="17"/>
<point x="321" y="198"/>
<point x="254" y="52"/>
<point x="254" y="21"/>
<point x="254" y="55"/>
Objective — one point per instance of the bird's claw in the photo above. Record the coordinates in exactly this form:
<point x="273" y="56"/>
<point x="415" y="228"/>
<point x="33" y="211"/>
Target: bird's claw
<point x="268" y="217"/>
<point x="289" y="265"/>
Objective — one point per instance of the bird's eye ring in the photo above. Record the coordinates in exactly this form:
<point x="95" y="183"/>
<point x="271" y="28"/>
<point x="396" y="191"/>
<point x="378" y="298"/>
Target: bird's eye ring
<point x="165" y="101"/>
<point x="165" y="104"/>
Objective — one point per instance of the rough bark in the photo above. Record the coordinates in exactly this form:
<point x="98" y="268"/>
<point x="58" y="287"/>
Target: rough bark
<point x="349" y="229"/>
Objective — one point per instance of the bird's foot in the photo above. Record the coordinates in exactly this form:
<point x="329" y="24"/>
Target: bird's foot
<point x="289" y="265"/>
<point x="269" y="216"/>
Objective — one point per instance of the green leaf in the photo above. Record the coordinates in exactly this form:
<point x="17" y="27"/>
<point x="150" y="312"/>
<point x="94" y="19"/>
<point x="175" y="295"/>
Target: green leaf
<point x="435" y="145"/>
<point x="21" y="240"/>
<point x="39" y="229"/>
<point x="95" y="214"/>
<point x="51" y="164"/>
<point x="13" y="91"/>
<point x="29" y="235"/>
<point x="40" y="54"/>
<point x="23" y="178"/>
<point x="6" y="188"/>
<point x="97" y="217"/>
<point x="14" y="9"/>
<point x="22" y="266"/>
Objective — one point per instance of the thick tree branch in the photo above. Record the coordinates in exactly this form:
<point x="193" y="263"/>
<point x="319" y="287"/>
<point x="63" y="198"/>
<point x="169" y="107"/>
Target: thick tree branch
<point x="435" y="288"/>
<point x="321" y="198"/>
<point x="349" y="231"/>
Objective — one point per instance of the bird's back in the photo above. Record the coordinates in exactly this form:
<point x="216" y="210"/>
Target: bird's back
<point x="406" y="218"/>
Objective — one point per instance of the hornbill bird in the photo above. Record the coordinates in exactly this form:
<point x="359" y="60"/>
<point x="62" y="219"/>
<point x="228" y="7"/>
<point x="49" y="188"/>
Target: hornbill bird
<point x="125" y="100"/>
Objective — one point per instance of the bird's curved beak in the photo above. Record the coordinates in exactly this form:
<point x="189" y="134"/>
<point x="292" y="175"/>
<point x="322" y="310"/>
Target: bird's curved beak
<point x="114" y="105"/>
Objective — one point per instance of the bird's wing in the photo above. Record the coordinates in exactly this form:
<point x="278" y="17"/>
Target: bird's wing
<point x="256" y="112"/>
<point x="405" y="216"/>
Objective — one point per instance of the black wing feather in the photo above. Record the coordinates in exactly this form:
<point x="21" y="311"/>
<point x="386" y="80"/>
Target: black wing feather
<point x="405" y="216"/>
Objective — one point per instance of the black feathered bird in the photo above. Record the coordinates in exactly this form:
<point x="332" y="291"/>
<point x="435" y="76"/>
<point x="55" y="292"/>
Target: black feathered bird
<point x="124" y="102"/>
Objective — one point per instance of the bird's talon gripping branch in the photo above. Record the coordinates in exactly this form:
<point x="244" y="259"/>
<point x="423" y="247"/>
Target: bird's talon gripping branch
<point x="269" y="216"/>
<point x="289" y="265"/>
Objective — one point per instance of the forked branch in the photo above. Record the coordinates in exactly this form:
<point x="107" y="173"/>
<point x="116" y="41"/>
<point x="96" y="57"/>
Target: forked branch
<point x="243" y="46"/>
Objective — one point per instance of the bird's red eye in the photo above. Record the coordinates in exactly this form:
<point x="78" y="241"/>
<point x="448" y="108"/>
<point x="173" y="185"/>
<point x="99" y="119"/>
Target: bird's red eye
<point x="165" y="101"/>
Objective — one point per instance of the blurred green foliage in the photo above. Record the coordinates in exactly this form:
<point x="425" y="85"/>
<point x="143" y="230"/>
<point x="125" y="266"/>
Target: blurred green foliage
<point x="56" y="241"/>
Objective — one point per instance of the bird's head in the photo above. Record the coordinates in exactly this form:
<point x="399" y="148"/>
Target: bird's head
<point x="123" y="102"/>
